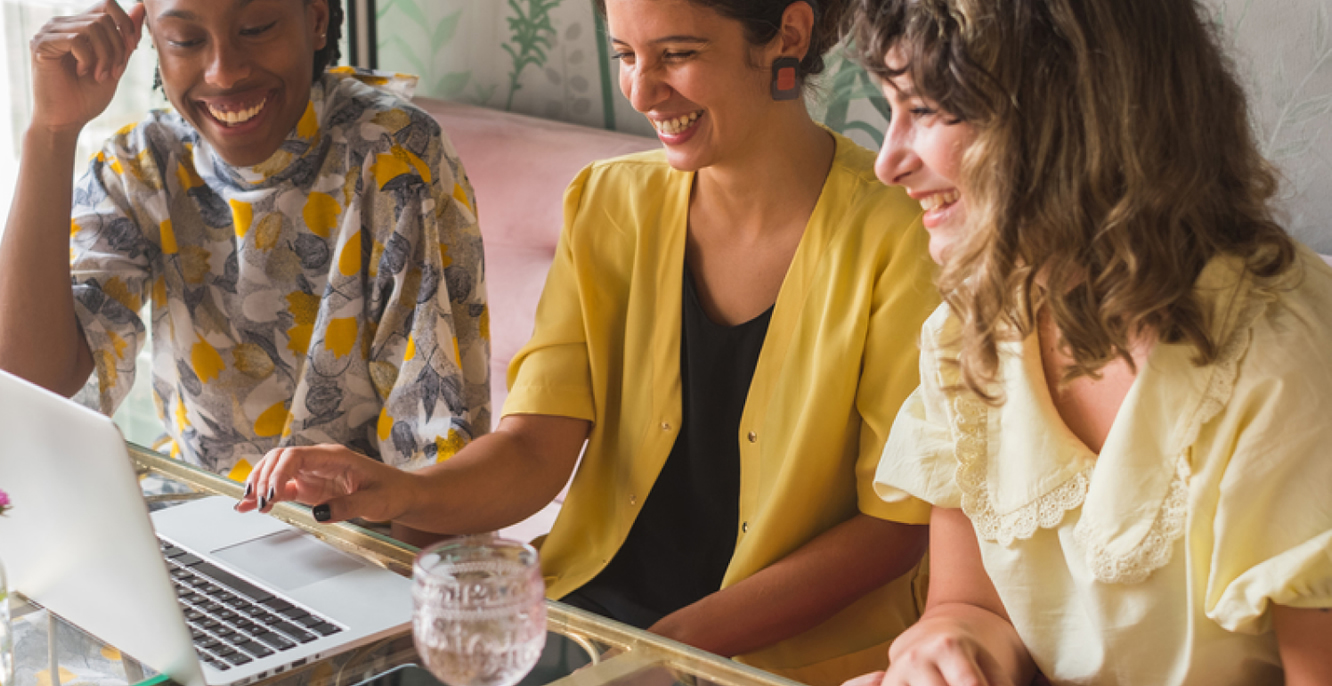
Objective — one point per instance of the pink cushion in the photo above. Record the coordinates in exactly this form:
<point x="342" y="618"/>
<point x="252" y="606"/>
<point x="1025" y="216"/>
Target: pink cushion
<point x="519" y="167"/>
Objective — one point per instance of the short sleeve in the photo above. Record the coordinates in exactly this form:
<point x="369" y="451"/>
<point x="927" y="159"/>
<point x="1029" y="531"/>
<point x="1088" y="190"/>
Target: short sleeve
<point x="552" y="374"/>
<point x="919" y="460"/>
<point x="1273" y="517"/>
<point x="110" y="265"/>
<point x="904" y="295"/>
<point x="435" y="323"/>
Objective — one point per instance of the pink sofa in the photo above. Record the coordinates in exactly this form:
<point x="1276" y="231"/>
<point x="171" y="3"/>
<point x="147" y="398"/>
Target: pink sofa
<point x="519" y="167"/>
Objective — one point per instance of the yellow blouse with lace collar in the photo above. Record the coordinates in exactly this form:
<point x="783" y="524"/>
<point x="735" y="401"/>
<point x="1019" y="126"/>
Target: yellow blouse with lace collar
<point x="1156" y="561"/>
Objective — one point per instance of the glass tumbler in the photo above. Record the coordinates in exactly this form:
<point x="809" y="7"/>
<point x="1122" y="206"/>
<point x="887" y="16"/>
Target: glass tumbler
<point x="478" y="610"/>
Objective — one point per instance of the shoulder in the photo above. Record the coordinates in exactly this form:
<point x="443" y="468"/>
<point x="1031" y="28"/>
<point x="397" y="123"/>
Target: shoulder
<point x="1292" y="329"/>
<point x="860" y="191"/>
<point x="370" y="118"/>
<point x="160" y="131"/>
<point x="137" y="155"/>
<point x="638" y="169"/>
<point x="628" y="183"/>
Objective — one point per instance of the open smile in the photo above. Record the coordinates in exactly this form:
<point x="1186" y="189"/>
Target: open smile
<point x="234" y="113"/>
<point x="939" y="200"/>
<point x="676" y="125"/>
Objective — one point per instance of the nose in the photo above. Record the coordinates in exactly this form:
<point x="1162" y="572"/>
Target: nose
<point x="642" y="85"/>
<point x="896" y="158"/>
<point x="227" y="65"/>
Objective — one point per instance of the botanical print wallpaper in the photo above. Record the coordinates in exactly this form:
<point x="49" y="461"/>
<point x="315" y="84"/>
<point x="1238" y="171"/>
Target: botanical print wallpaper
<point x="548" y="58"/>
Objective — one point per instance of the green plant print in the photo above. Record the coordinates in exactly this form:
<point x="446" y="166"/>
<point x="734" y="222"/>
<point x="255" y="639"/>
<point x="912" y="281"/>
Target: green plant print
<point x="604" y="64"/>
<point x="422" y="51"/>
<point x="531" y="30"/>
<point x="849" y="83"/>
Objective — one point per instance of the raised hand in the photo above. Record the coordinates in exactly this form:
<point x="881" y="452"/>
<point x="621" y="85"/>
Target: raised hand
<point x="346" y="483"/>
<point x="77" y="63"/>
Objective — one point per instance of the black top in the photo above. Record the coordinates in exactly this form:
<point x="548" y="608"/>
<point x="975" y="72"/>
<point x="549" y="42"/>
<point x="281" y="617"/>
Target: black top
<point x="681" y="543"/>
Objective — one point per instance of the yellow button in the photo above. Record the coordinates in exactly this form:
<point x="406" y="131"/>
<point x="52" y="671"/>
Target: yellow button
<point x="633" y="500"/>
<point x="665" y="426"/>
<point x="753" y="437"/>
<point x="744" y="528"/>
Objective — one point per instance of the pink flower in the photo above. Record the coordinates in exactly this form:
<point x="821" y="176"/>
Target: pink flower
<point x="4" y="502"/>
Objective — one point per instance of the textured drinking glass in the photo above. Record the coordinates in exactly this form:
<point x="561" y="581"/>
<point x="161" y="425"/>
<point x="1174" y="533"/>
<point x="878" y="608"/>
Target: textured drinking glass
<point x="478" y="610"/>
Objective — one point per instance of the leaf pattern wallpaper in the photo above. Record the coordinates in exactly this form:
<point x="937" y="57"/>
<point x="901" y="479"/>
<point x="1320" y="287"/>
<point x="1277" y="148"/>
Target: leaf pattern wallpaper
<point x="549" y="58"/>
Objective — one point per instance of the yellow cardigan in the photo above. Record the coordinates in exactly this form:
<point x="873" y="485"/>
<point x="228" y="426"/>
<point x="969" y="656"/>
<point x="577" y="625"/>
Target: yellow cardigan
<point x="839" y="358"/>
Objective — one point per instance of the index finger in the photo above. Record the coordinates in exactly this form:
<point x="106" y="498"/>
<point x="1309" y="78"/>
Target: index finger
<point x="128" y="28"/>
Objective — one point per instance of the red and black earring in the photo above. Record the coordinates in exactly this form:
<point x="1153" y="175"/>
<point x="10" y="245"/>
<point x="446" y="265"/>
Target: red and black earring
<point x="785" y="78"/>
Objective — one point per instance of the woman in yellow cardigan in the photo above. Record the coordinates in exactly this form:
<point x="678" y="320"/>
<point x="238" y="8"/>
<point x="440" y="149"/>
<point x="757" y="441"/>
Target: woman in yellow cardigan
<point x="729" y="325"/>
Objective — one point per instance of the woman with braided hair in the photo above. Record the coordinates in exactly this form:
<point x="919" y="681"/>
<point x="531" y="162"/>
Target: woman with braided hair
<point x="304" y="240"/>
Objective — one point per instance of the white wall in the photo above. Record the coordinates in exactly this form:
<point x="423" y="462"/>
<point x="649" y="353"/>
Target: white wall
<point x="1284" y="52"/>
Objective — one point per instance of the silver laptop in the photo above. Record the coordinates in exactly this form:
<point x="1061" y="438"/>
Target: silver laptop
<point x="259" y="596"/>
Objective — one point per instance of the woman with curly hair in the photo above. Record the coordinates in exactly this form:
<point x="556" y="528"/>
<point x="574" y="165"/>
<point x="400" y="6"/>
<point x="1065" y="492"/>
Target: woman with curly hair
<point x="1121" y="420"/>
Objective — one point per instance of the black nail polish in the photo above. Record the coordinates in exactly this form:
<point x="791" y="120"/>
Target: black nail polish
<point x="322" y="513"/>
<point x="272" y="491"/>
<point x="262" y="503"/>
<point x="248" y="487"/>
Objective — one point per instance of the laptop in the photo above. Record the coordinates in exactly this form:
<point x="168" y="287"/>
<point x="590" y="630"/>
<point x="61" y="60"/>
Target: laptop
<point x="260" y="596"/>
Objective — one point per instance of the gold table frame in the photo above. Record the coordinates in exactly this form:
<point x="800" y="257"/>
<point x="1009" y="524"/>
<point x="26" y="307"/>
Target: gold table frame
<point x="620" y="655"/>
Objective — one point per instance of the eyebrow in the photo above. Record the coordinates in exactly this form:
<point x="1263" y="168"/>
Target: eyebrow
<point x="670" y="39"/>
<point x="187" y="15"/>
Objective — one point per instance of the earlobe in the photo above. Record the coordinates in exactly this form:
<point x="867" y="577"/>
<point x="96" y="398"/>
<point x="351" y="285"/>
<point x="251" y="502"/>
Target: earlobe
<point x="320" y="11"/>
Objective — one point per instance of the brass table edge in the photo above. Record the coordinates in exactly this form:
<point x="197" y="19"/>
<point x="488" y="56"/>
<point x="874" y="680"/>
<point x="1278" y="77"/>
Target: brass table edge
<point x="579" y="625"/>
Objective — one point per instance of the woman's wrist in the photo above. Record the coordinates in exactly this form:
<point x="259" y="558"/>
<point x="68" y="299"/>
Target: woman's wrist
<point x="59" y="140"/>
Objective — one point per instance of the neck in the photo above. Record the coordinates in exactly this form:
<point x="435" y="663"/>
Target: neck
<point x="778" y="177"/>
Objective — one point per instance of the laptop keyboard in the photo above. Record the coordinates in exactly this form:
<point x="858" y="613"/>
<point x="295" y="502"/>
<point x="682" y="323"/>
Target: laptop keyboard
<point x="233" y="621"/>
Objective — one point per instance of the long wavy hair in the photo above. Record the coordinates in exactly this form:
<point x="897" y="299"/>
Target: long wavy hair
<point x="1113" y="159"/>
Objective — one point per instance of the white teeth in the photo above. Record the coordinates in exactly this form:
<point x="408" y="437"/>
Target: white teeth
<point x="672" y="127"/>
<point x="234" y="118"/>
<point x="938" y="200"/>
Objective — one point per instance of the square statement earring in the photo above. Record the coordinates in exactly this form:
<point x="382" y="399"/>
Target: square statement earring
<point x="785" y="82"/>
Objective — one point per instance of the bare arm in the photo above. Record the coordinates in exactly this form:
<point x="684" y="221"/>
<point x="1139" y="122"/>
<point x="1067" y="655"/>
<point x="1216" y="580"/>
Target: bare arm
<point x="77" y="63"/>
<point x="965" y="636"/>
<point x="497" y="480"/>
<point x="42" y="341"/>
<point x="801" y="590"/>
<point x="1303" y="640"/>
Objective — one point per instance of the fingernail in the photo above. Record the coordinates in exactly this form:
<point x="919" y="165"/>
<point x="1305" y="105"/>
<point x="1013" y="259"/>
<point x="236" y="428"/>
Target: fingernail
<point x="248" y="488"/>
<point x="321" y="513"/>
<point x="272" y="491"/>
<point x="262" y="503"/>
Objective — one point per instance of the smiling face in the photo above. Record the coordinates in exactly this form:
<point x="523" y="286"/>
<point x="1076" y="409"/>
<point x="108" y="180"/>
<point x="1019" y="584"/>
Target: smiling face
<point x="922" y="152"/>
<point x="239" y="70"/>
<point x="692" y="72"/>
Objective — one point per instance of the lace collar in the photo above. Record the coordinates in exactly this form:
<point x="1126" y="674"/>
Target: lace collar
<point x="1134" y="496"/>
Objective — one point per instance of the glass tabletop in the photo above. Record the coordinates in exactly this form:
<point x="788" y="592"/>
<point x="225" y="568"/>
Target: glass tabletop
<point x="582" y="649"/>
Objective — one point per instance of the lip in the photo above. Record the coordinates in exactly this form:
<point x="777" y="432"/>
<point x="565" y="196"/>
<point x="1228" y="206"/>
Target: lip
<point x="941" y="215"/>
<point x="682" y="137"/>
<point x="938" y="215"/>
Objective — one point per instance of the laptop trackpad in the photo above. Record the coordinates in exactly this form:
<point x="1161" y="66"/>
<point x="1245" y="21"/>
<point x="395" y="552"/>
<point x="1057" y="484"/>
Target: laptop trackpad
<point x="288" y="560"/>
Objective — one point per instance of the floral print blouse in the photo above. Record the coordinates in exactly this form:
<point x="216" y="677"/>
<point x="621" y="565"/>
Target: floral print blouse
<point x="334" y="293"/>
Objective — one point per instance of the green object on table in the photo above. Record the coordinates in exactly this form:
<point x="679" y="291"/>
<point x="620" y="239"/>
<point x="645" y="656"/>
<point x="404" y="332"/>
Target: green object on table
<point x="154" y="681"/>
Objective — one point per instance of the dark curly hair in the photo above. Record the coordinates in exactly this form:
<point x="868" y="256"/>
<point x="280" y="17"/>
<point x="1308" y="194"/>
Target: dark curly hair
<point x="763" y="19"/>
<point x="324" y="57"/>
